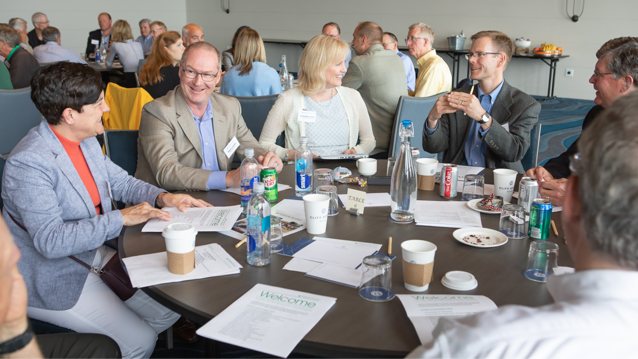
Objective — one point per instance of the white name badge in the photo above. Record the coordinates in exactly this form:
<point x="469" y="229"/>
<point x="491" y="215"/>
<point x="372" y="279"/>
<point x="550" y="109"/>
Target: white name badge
<point x="95" y="42"/>
<point x="231" y="147"/>
<point x="307" y="116"/>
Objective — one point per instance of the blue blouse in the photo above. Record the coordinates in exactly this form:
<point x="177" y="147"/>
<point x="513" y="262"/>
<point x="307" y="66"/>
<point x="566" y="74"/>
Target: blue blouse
<point x="262" y="80"/>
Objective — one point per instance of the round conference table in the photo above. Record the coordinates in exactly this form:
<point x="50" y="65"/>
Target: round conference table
<point x="353" y="327"/>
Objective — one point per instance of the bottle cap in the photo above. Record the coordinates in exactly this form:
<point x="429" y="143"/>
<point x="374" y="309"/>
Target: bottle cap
<point x="303" y="140"/>
<point x="258" y="187"/>
<point x="406" y="123"/>
<point x="249" y="152"/>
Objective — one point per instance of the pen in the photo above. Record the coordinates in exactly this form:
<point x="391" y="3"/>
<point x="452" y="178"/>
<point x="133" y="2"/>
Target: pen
<point x="471" y="90"/>
<point x="554" y="228"/>
<point x="241" y="242"/>
<point x="389" y="245"/>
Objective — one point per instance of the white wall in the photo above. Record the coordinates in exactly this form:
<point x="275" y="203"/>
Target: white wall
<point x="75" y="18"/>
<point x="539" y="20"/>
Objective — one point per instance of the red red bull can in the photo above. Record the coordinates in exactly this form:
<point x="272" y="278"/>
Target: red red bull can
<point x="449" y="180"/>
<point x="269" y="178"/>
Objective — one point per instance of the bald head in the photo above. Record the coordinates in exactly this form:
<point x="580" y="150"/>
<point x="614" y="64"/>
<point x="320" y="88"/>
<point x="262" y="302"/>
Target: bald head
<point x="365" y="35"/>
<point x="191" y="34"/>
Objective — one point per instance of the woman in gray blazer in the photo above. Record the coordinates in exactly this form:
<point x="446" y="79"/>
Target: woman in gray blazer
<point x="57" y="190"/>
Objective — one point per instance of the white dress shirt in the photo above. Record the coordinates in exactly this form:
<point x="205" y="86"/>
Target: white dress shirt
<point x="595" y="315"/>
<point x="52" y="52"/>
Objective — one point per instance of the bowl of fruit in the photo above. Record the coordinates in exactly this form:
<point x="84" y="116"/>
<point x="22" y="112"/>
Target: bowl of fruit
<point x="548" y="50"/>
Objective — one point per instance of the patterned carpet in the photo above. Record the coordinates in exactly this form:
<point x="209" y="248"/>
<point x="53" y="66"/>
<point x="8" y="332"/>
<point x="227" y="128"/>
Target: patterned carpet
<point x="562" y="120"/>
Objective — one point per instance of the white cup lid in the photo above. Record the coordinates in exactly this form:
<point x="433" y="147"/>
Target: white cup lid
<point x="459" y="280"/>
<point x="179" y="230"/>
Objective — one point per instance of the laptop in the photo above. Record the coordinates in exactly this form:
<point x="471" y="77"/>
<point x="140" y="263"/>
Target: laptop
<point x="341" y="157"/>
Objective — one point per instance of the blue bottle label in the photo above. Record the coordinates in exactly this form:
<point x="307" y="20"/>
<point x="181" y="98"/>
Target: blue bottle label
<point x="251" y="244"/>
<point x="265" y="224"/>
<point x="301" y="165"/>
<point x="247" y="191"/>
<point x="303" y="180"/>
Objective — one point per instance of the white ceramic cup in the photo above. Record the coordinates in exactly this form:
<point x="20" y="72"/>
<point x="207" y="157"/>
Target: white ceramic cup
<point x="180" y="246"/>
<point x="426" y="166"/>
<point x="367" y="166"/>
<point x="316" y="208"/>
<point x="417" y="251"/>
<point x="504" y="182"/>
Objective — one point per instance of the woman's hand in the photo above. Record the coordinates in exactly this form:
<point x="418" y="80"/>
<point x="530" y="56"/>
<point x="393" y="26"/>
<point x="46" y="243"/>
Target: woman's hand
<point x="142" y="213"/>
<point x="181" y="201"/>
<point x="350" y="151"/>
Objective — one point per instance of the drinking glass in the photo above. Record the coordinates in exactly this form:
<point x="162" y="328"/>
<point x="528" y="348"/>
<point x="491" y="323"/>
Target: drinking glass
<point x="376" y="278"/>
<point x="276" y="235"/>
<point x="473" y="187"/>
<point x="330" y="191"/>
<point x="513" y="221"/>
<point x="322" y="177"/>
<point x="541" y="260"/>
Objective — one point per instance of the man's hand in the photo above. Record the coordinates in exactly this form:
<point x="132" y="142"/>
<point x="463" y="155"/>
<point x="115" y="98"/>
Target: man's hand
<point x="233" y="179"/>
<point x="441" y="107"/>
<point x="539" y="173"/>
<point x="142" y="213"/>
<point x="271" y="160"/>
<point x="350" y="151"/>
<point x="181" y="201"/>
<point x="554" y="190"/>
<point x="468" y="103"/>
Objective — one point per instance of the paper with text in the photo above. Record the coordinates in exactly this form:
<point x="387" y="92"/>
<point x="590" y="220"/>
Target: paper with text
<point x="208" y="219"/>
<point x="452" y="214"/>
<point x="337" y="252"/>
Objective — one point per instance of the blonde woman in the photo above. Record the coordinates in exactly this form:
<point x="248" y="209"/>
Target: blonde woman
<point x="129" y="52"/>
<point x="250" y="76"/>
<point x="341" y="117"/>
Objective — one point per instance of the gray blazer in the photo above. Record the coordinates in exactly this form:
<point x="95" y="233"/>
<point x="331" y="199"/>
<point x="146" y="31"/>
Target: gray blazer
<point x="514" y="114"/>
<point x="44" y="193"/>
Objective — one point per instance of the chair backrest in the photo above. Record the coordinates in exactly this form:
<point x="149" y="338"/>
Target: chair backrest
<point x="140" y="64"/>
<point x="415" y="109"/>
<point x="530" y="160"/>
<point x="1" y="171"/>
<point x="121" y="147"/>
<point x="126" y="107"/>
<point x="18" y="115"/>
<point x="254" y="110"/>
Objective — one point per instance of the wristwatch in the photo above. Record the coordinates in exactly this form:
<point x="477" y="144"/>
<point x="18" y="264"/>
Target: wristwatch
<point x="17" y="343"/>
<point x="485" y="118"/>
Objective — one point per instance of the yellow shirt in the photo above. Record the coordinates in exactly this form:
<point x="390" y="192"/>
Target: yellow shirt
<point x="434" y="76"/>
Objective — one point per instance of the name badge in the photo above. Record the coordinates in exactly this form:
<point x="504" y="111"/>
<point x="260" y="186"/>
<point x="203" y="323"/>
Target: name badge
<point x="307" y="116"/>
<point x="231" y="147"/>
<point x="95" y="42"/>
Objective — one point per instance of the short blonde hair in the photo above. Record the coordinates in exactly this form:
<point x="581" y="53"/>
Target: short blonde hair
<point x="248" y="49"/>
<point x="315" y="59"/>
<point x="121" y="31"/>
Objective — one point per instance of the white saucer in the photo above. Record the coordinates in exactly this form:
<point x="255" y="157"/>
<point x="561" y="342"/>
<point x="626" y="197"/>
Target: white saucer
<point x="494" y="239"/>
<point x="473" y="204"/>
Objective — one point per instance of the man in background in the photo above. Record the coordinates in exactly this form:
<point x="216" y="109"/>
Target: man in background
<point x="40" y="22"/>
<point x="100" y="37"/>
<point x="52" y="51"/>
<point x="333" y="30"/>
<point x="191" y="34"/>
<point x="391" y="43"/>
<point x="145" y="38"/>
<point x="20" y="25"/>
<point x="22" y="64"/>
<point x="157" y="28"/>
<point x="434" y="74"/>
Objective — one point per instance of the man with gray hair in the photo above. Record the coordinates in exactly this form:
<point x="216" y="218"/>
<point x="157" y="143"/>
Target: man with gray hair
<point x="191" y="34"/>
<point x="595" y="314"/>
<point x="21" y="27"/>
<point x="379" y="76"/>
<point x="40" y="22"/>
<point x="52" y="51"/>
<point x="434" y="74"/>
<point x="333" y="30"/>
<point x="614" y="76"/>
<point x="21" y="63"/>
<point x="145" y="38"/>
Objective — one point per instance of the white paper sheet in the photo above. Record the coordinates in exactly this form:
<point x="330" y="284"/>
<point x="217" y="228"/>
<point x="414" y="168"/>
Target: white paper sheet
<point x="211" y="260"/>
<point x="452" y="214"/>
<point x="340" y="275"/>
<point x="425" y="310"/>
<point x="337" y="252"/>
<point x="268" y="319"/>
<point x="208" y="219"/>
<point x="237" y="190"/>
<point x="301" y="265"/>
<point x="372" y="199"/>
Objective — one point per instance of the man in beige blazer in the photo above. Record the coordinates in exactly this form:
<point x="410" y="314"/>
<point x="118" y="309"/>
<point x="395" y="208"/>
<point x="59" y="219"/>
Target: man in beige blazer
<point x="379" y="76"/>
<point x="173" y="129"/>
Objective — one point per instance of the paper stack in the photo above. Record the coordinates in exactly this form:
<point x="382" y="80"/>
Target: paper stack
<point x="450" y="214"/>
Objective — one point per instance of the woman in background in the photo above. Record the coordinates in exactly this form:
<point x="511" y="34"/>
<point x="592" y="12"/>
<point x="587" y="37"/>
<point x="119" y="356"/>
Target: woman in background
<point x="228" y="56"/>
<point x="250" y="76"/>
<point x="129" y="52"/>
<point x="160" y="72"/>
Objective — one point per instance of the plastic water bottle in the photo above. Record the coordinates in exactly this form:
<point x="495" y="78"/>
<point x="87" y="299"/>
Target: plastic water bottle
<point x="283" y="73"/>
<point x="404" y="181"/>
<point x="103" y="56"/>
<point x="303" y="167"/>
<point x="248" y="176"/>
<point x="258" y="226"/>
<point x="97" y="54"/>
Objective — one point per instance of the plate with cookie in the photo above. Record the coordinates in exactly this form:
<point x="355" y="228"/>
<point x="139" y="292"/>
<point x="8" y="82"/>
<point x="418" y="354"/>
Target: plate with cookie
<point x="489" y="204"/>
<point x="480" y="237"/>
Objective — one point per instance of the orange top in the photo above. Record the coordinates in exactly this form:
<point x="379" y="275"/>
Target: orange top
<point x="79" y="162"/>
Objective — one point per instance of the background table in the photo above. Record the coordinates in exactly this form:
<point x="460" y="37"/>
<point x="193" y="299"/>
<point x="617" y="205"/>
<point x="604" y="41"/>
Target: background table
<point x="353" y="327"/>
<point x="101" y="66"/>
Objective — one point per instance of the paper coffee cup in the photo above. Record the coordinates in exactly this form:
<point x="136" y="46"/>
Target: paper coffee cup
<point x="180" y="247"/>
<point x="367" y="166"/>
<point x="316" y="208"/>
<point x="418" y="264"/>
<point x="426" y="166"/>
<point x="504" y="182"/>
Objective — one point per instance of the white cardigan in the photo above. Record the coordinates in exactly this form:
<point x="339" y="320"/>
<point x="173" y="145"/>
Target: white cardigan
<point x="284" y="113"/>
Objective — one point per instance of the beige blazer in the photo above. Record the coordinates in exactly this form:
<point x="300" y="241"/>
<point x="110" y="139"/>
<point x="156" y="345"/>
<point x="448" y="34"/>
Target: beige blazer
<point x="169" y="154"/>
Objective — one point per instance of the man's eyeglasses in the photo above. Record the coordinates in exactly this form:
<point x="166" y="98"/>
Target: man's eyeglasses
<point x="598" y="75"/>
<point x="193" y="75"/>
<point x="480" y="55"/>
<point x="413" y="39"/>
<point x="574" y="163"/>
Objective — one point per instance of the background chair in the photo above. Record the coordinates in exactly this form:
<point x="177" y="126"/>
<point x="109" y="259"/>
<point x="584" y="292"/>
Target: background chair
<point x="2" y="162"/>
<point x="255" y="110"/>
<point x="126" y="107"/>
<point x="17" y="117"/>
<point x="530" y="160"/>
<point x="416" y="110"/>
<point x="121" y="147"/>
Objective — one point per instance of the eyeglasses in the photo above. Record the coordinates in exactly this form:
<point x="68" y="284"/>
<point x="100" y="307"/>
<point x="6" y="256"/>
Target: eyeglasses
<point x="413" y="39"/>
<point x="598" y="75"/>
<point x="480" y="55"/>
<point x="193" y="75"/>
<point x="574" y="163"/>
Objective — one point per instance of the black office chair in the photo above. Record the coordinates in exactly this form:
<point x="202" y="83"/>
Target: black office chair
<point x="121" y="147"/>
<point x="414" y="109"/>
<point x="2" y="162"/>
<point x="17" y="117"/>
<point x="255" y="110"/>
<point x="530" y="160"/>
